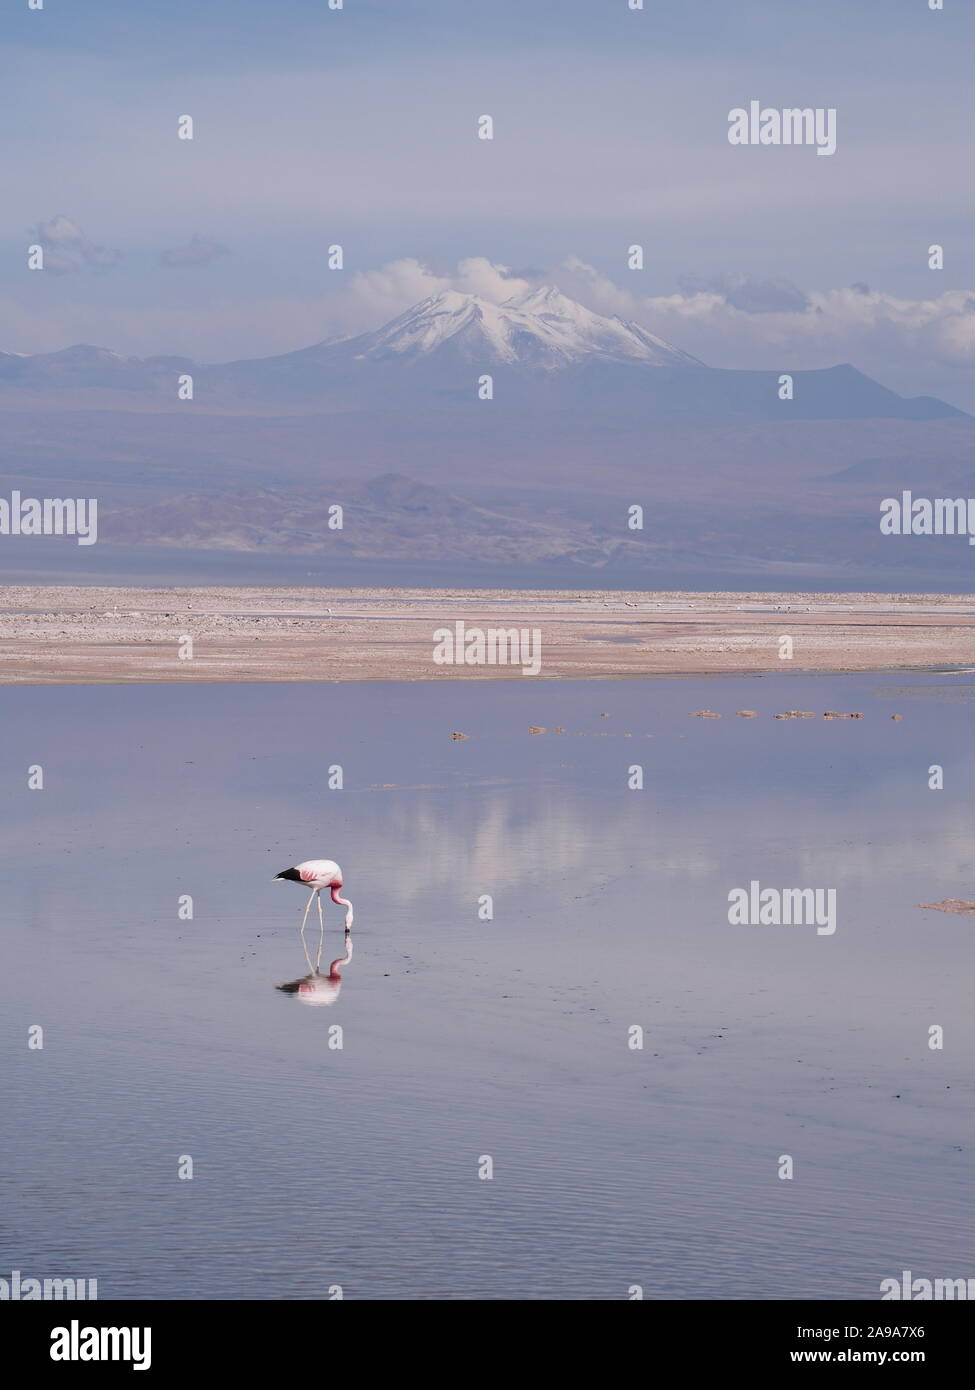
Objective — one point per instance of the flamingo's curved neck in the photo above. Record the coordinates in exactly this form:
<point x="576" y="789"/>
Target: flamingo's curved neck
<point x="342" y="902"/>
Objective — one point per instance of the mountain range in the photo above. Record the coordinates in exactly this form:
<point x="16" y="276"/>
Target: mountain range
<point x="587" y="416"/>
<point x="542" y="349"/>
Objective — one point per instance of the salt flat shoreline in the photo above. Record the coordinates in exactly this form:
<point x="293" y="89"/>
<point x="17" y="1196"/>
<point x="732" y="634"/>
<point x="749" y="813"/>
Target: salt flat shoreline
<point x="66" y="634"/>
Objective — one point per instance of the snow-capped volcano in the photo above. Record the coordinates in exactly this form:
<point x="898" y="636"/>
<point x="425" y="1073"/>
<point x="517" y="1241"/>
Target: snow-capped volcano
<point x="549" y="357"/>
<point x="541" y="328"/>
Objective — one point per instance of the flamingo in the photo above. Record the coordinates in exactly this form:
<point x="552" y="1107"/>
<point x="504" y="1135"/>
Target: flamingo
<point x="318" y="874"/>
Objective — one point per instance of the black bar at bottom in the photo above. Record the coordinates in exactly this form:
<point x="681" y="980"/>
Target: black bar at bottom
<point x="68" y="1337"/>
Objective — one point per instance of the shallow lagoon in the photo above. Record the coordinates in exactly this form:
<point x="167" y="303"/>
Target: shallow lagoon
<point x="316" y="1167"/>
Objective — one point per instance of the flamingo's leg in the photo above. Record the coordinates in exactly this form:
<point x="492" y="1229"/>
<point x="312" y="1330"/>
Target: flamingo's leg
<point x="321" y="930"/>
<point x="303" y="921"/>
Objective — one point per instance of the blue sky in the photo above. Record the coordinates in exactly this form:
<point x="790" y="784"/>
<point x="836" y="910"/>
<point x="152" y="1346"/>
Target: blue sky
<point x="357" y="126"/>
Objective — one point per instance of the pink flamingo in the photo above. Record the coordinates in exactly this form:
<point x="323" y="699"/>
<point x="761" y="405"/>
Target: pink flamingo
<point x="318" y="874"/>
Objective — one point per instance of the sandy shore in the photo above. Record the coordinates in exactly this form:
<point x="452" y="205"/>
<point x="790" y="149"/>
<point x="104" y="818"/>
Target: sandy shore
<point x="54" y="635"/>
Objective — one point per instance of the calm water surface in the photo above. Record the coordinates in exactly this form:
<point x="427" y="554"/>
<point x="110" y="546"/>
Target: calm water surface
<point x="315" y="1166"/>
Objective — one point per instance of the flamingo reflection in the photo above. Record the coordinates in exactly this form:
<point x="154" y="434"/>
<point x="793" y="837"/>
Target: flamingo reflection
<point x="317" y="987"/>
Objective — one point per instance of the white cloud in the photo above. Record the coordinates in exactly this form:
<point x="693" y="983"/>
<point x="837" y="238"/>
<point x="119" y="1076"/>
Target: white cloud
<point x="375" y="296"/>
<point x="595" y="290"/>
<point x="67" y="249"/>
<point x="836" y="325"/>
